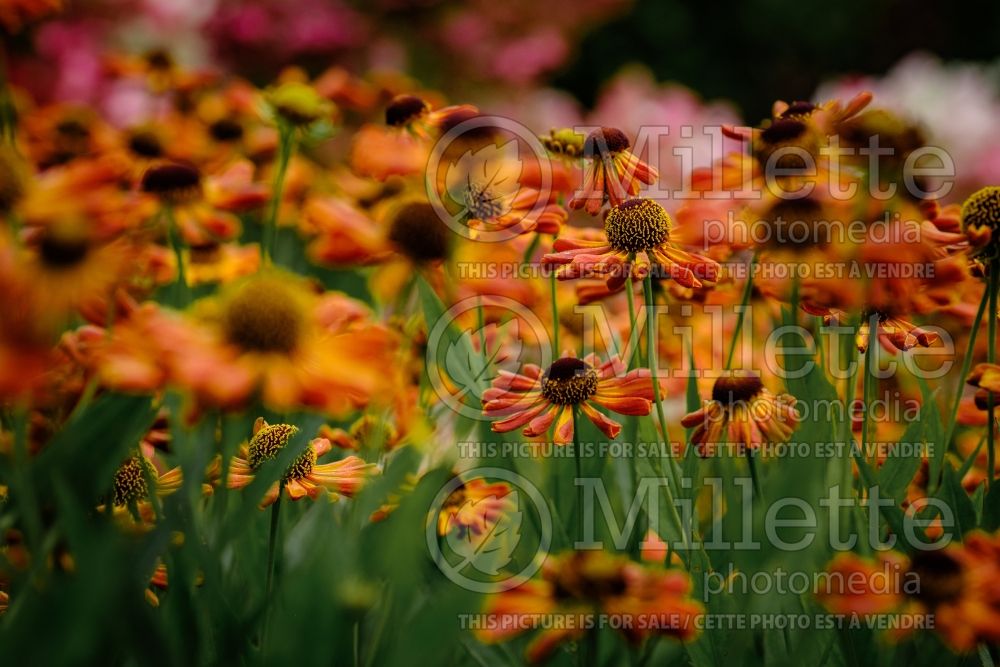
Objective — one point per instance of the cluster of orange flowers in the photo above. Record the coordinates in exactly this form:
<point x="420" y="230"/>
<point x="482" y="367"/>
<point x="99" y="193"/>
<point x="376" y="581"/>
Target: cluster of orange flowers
<point x="194" y="255"/>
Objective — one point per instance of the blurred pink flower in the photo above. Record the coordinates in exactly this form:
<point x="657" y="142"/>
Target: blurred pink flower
<point x="957" y="104"/>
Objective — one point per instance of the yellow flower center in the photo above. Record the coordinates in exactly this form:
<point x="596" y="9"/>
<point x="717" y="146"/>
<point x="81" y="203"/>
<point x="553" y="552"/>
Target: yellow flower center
<point x="130" y="481"/>
<point x="637" y="225"/>
<point x="298" y="103"/>
<point x="270" y="440"/>
<point x="982" y="209"/>
<point x="264" y="316"/>
<point x="569" y="381"/>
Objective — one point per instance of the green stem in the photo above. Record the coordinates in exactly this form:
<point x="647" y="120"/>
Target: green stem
<point x="272" y="542"/>
<point x="668" y="443"/>
<point x="991" y="358"/>
<point x="966" y="365"/>
<point x="578" y="455"/>
<point x="633" y="360"/>
<point x="744" y="304"/>
<point x="556" y="350"/>
<point x="754" y="475"/>
<point x="176" y="244"/>
<point x="984" y="656"/>
<point x="286" y="146"/>
<point x="865" y="380"/>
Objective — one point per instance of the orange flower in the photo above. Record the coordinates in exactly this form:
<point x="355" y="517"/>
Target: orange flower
<point x="474" y="507"/>
<point x="577" y="586"/>
<point x="742" y="411"/>
<point x="304" y="477"/>
<point x="536" y="400"/>
<point x="637" y="239"/>
<point x="614" y="172"/>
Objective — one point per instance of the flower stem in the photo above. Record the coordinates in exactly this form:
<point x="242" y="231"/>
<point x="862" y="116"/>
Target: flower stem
<point x="754" y="476"/>
<point x="272" y="542"/>
<point x="866" y="385"/>
<point x="176" y="244"/>
<point x="556" y="351"/>
<point x="633" y="360"/>
<point x="744" y="304"/>
<point x="286" y="146"/>
<point x="966" y="365"/>
<point x="578" y="455"/>
<point x="651" y="363"/>
<point x="991" y="358"/>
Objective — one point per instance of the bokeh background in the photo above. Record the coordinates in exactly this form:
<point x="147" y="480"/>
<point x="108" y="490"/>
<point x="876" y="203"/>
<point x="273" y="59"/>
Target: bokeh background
<point x="561" y="62"/>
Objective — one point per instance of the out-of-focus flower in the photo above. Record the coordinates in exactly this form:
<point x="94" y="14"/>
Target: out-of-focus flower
<point x="970" y="132"/>
<point x="741" y="412"/>
<point x="15" y="14"/>
<point x="474" y="507"/>
<point x="581" y="584"/>
<point x="305" y="476"/>
<point x="957" y="584"/>
<point x="537" y="400"/>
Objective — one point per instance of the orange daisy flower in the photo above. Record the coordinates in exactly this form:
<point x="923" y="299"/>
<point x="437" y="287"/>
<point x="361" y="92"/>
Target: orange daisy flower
<point x="742" y="411"/>
<point x="474" y="507"/>
<point x="536" y="399"/>
<point x="577" y="586"/>
<point x="637" y="239"/>
<point x="614" y="172"/>
<point x="304" y="477"/>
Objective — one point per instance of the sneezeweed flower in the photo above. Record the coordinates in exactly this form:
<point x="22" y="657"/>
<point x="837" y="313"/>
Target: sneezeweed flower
<point x="980" y="222"/>
<point x="536" y="400"/>
<point x="614" y="172"/>
<point x="130" y="492"/>
<point x="637" y="239"/>
<point x="201" y="207"/>
<point x="894" y="332"/>
<point x="67" y="266"/>
<point x="273" y="328"/>
<point x="416" y="116"/>
<point x="13" y="178"/>
<point x="474" y="507"/>
<point x="575" y="587"/>
<point x="742" y="412"/>
<point x="366" y="431"/>
<point x="304" y="476"/>
<point x="956" y="584"/>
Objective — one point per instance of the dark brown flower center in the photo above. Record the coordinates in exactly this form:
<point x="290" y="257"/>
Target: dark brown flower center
<point x="226" y="129"/>
<point x="940" y="577"/>
<point x="62" y="249"/>
<point x="145" y="144"/>
<point x="171" y="180"/>
<point x="605" y="141"/>
<point x="637" y="225"/>
<point x="569" y="381"/>
<point x="798" y="110"/>
<point x="733" y="390"/>
<point x="419" y="233"/>
<point x="591" y="578"/>
<point x="264" y="316"/>
<point x="404" y="109"/>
